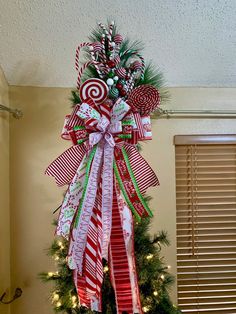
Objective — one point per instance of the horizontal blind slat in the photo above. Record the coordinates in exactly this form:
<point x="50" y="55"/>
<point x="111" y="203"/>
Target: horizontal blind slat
<point x="206" y="224"/>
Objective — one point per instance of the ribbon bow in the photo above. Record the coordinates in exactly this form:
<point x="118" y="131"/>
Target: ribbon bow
<point x="107" y="177"/>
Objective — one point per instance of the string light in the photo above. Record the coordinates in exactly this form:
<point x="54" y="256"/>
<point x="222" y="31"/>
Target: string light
<point x="58" y="304"/>
<point x="162" y="277"/>
<point x="50" y="274"/>
<point x="74" y="305"/>
<point x="56" y="258"/>
<point x="61" y="245"/>
<point x="73" y="298"/>
<point x="145" y="309"/>
<point x="105" y="269"/>
<point x="168" y="267"/>
<point x="155" y="293"/>
<point x="55" y="296"/>
<point x="149" y="256"/>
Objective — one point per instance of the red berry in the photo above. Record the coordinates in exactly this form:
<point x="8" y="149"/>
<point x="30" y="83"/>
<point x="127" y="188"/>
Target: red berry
<point x="122" y="92"/>
<point x="111" y="64"/>
<point x="119" y="86"/>
<point x="127" y="77"/>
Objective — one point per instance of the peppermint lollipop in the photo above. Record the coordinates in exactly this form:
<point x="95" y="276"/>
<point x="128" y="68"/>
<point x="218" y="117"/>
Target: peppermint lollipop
<point x="145" y="99"/>
<point x="95" y="89"/>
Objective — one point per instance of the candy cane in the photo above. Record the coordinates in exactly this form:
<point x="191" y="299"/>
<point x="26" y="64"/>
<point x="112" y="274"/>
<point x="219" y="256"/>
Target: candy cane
<point x="91" y="49"/>
<point x="110" y="34"/>
<point x="130" y="84"/>
<point x="143" y="65"/>
<point x="78" y="52"/>
<point x="103" y="52"/>
<point x="81" y="71"/>
<point x="103" y="28"/>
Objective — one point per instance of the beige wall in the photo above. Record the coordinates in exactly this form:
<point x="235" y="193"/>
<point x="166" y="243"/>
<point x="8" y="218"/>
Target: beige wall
<point x="4" y="194"/>
<point x="35" y="142"/>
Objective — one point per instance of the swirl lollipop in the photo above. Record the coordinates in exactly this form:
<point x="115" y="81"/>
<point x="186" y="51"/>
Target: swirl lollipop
<point x="145" y="99"/>
<point x="95" y="89"/>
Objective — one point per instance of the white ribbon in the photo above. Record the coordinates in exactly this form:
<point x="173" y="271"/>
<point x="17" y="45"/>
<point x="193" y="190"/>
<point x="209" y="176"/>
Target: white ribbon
<point x="105" y="152"/>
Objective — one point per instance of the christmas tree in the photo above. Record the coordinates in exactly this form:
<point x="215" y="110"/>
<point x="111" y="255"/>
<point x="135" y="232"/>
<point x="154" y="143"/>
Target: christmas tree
<point x="155" y="280"/>
<point x="108" y="179"/>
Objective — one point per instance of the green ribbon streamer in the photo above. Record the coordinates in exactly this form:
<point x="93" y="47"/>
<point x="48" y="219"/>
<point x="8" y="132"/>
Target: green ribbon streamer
<point x="142" y="200"/>
<point x="144" y="203"/>
<point x="138" y="218"/>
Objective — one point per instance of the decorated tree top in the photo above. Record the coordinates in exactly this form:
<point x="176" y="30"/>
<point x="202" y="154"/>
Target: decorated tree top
<point x="106" y="174"/>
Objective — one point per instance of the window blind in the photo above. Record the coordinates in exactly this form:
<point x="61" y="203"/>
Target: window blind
<point x="206" y="223"/>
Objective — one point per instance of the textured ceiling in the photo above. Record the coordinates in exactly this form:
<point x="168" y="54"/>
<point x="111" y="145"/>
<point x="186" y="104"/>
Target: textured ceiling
<point x="192" y="41"/>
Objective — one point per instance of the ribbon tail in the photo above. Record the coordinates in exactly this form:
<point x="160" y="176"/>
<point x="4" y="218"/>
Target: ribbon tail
<point x="107" y="197"/>
<point x="70" y="203"/>
<point x="82" y="220"/>
<point x="122" y="263"/>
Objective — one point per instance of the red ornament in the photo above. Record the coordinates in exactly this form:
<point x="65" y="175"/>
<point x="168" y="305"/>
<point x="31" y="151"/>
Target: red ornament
<point x="111" y="64"/>
<point x="145" y="98"/>
<point x="122" y="92"/>
<point x="119" y="86"/>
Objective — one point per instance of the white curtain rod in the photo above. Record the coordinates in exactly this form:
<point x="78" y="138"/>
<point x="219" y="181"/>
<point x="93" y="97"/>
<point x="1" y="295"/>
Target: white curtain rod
<point x="185" y="113"/>
<point x="15" y="112"/>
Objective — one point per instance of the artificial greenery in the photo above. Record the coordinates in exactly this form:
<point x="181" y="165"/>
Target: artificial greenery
<point x="154" y="278"/>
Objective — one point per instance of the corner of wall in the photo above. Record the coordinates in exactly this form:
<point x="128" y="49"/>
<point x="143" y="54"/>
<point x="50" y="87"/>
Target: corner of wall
<point x="5" y="282"/>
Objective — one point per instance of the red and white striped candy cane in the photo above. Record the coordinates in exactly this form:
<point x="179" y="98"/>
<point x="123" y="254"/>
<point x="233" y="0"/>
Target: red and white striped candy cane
<point x="103" y="27"/>
<point x="91" y="50"/>
<point x="130" y="84"/>
<point x="143" y="64"/>
<point x="78" y="52"/>
<point x="109" y="37"/>
<point x="81" y="71"/>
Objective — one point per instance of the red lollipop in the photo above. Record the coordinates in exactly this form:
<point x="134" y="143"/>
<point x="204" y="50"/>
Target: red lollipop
<point x="95" y="89"/>
<point x="145" y="99"/>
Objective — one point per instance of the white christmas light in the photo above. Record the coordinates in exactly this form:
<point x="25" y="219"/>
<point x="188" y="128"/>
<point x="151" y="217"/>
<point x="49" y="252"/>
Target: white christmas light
<point x="58" y="304"/>
<point x="162" y="277"/>
<point x="61" y="245"/>
<point x="73" y="298"/>
<point x="155" y="293"/>
<point x="169" y="267"/>
<point x="56" y="296"/>
<point x="56" y="258"/>
<point x="50" y="274"/>
<point x="105" y="269"/>
<point x="145" y="309"/>
<point x="149" y="256"/>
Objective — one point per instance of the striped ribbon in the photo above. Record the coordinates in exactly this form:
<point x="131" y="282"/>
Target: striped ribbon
<point x="107" y="177"/>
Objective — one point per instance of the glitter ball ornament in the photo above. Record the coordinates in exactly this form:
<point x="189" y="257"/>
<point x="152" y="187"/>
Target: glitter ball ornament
<point x="121" y="72"/>
<point x="97" y="46"/>
<point x="119" y="86"/>
<point x="110" y="82"/>
<point x="145" y="98"/>
<point x="118" y="39"/>
<point x="111" y="64"/>
<point x="137" y="65"/>
<point x="122" y="92"/>
<point x="111" y="75"/>
<point x="114" y="92"/>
